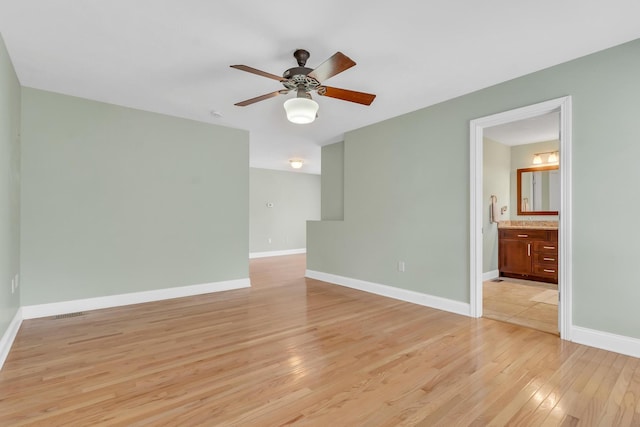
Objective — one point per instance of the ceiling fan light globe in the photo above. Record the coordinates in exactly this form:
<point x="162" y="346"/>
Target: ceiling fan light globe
<point x="301" y="110"/>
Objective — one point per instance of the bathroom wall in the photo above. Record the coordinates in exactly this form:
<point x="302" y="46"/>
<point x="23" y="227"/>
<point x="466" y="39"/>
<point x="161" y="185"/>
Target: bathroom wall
<point x="522" y="157"/>
<point x="496" y="170"/>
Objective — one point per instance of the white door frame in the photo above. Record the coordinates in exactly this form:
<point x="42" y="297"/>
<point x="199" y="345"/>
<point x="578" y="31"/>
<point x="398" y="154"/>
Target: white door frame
<point x="476" y="206"/>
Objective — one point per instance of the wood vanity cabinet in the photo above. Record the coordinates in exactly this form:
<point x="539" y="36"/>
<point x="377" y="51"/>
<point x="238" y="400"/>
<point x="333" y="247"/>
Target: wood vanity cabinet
<point x="528" y="254"/>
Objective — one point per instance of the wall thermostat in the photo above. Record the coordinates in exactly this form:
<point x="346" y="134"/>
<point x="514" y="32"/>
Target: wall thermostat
<point x="269" y="205"/>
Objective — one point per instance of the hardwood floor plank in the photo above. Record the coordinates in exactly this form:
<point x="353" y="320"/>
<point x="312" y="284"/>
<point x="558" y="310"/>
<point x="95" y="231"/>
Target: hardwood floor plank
<point x="570" y="394"/>
<point x="619" y="409"/>
<point x="296" y="351"/>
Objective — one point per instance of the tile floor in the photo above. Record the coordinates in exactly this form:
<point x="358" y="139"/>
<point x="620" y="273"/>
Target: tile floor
<point x="523" y="302"/>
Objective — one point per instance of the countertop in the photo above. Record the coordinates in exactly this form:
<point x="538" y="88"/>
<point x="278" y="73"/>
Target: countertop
<point x="532" y="225"/>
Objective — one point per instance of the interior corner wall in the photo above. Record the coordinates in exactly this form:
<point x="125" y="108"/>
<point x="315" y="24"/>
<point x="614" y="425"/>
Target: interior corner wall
<point x="117" y="200"/>
<point x="332" y="177"/>
<point x="407" y="191"/>
<point x="295" y="198"/>
<point x="496" y="170"/>
<point x="10" y="93"/>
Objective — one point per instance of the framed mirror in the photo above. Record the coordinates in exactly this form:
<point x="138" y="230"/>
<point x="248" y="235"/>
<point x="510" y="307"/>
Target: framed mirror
<point x="538" y="190"/>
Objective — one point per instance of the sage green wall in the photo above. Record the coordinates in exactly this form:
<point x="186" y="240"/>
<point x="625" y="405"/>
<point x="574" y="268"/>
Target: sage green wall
<point x="9" y="188"/>
<point x="400" y="204"/>
<point x="407" y="191"/>
<point x="296" y="199"/>
<point x="496" y="169"/>
<point x="116" y="200"/>
<point x="333" y="181"/>
<point x="521" y="157"/>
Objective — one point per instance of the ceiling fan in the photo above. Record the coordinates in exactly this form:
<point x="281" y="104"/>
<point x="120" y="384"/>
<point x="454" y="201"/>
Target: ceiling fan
<point x="305" y="80"/>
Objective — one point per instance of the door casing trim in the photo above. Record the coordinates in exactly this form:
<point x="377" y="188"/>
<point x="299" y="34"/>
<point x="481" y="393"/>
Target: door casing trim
<point x="476" y="128"/>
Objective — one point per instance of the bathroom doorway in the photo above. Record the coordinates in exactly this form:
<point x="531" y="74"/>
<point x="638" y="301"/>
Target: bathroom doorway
<point x="478" y="272"/>
<point x="521" y="191"/>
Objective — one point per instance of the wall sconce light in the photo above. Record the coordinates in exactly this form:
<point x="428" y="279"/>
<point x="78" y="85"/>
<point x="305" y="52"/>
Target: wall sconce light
<point x="552" y="158"/>
<point x="296" y="163"/>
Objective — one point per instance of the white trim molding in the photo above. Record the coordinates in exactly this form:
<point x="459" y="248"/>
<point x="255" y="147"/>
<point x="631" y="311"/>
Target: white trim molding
<point x="277" y="253"/>
<point x="414" y="297"/>
<point x="490" y="275"/>
<point x="476" y="128"/>
<point x="65" y="307"/>
<point x="606" y="341"/>
<point x="9" y="336"/>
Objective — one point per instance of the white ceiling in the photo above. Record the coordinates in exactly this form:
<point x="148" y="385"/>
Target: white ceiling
<point x="527" y="131"/>
<point x="173" y="57"/>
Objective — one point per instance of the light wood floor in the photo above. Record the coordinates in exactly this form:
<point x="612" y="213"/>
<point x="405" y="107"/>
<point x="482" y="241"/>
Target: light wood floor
<point x="525" y="303"/>
<point x="303" y="352"/>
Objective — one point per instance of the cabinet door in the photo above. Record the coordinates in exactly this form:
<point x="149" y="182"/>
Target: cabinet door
<point x="515" y="256"/>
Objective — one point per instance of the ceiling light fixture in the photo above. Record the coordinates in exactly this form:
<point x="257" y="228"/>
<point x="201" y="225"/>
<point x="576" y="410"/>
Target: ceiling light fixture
<point x="296" y="163"/>
<point x="301" y="110"/>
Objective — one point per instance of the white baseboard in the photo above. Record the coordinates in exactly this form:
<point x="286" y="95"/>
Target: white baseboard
<point x="395" y="293"/>
<point x="606" y="341"/>
<point x="64" y="307"/>
<point x="490" y="275"/>
<point x="277" y="253"/>
<point x="10" y="334"/>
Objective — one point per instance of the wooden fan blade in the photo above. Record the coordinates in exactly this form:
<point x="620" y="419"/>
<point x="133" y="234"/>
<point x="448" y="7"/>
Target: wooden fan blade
<point x="261" y="98"/>
<point x="332" y="66"/>
<point x="258" y="72"/>
<point x="347" y="95"/>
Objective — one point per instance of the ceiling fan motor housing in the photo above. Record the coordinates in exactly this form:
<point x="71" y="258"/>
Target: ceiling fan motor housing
<point x="297" y="77"/>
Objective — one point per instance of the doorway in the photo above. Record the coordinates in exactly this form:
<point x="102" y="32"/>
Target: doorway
<point x="521" y="176"/>
<point x="477" y="128"/>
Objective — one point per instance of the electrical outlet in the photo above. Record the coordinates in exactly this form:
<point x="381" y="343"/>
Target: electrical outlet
<point x="401" y="266"/>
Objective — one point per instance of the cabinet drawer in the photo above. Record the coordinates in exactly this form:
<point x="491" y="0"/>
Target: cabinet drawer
<point x="524" y="234"/>
<point x="546" y="259"/>
<point x="545" y="247"/>
<point x="545" y="270"/>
